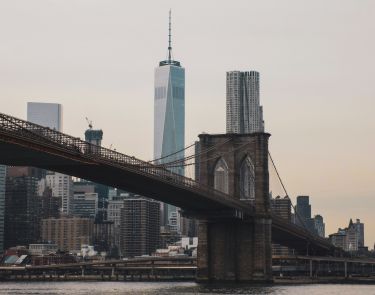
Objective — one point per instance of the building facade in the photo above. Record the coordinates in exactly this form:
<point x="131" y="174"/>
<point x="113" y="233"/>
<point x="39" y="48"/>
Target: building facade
<point x="45" y="114"/>
<point x="350" y="238"/>
<point x="140" y="227"/>
<point x="319" y="225"/>
<point x="360" y="228"/>
<point x="244" y="114"/>
<point x="62" y="188"/>
<point x="169" y="116"/>
<point x="2" y="206"/>
<point x="115" y="204"/>
<point x="69" y="233"/>
<point x="283" y="208"/>
<point x="303" y="213"/>
<point x="85" y="205"/>
<point x="21" y="209"/>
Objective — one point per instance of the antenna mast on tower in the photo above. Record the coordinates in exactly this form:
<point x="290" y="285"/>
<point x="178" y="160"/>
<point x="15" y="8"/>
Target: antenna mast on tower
<point x="170" y="37"/>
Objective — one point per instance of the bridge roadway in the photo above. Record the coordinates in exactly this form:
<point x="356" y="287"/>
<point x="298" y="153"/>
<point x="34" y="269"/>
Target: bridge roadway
<point x="25" y="144"/>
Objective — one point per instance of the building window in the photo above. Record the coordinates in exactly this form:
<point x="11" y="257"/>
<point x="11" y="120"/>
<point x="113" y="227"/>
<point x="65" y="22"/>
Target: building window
<point x="247" y="179"/>
<point x="221" y="176"/>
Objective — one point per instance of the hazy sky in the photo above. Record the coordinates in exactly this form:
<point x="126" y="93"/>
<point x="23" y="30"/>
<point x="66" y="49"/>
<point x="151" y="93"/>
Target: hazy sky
<point x="316" y="60"/>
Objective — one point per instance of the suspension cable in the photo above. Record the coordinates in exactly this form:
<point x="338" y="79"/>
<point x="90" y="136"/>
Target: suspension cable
<point x="211" y="158"/>
<point x="287" y="195"/>
<point x="167" y="156"/>
<point x="183" y="160"/>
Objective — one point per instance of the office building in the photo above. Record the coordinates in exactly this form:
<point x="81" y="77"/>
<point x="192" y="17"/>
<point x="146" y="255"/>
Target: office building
<point x="319" y="225"/>
<point x="69" y="233"/>
<point x="115" y="204"/>
<point x="360" y="229"/>
<point x="2" y="206"/>
<point x="62" y="187"/>
<point x="169" y="115"/>
<point x="339" y="239"/>
<point x="21" y="208"/>
<point x="85" y="204"/>
<point x="350" y="238"/>
<point x="303" y="213"/>
<point x="48" y="205"/>
<point x="283" y="208"/>
<point x="103" y="238"/>
<point x="243" y="111"/>
<point x="45" y="114"/>
<point x="50" y="115"/>
<point x="140" y="226"/>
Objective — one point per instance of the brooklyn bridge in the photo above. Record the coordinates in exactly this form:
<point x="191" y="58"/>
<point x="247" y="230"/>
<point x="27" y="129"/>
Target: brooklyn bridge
<point x="236" y="226"/>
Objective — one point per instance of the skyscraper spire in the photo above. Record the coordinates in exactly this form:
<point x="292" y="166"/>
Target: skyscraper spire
<point x="170" y="37"/>
<point x="169" y="60"/>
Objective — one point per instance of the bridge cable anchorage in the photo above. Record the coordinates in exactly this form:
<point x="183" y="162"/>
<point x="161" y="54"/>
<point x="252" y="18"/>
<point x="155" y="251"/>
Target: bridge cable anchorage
<point x="287" y="195"/>
<point x="185" y="159"/>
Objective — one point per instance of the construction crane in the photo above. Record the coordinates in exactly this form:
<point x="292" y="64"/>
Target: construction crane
<point x="89" y="122"/>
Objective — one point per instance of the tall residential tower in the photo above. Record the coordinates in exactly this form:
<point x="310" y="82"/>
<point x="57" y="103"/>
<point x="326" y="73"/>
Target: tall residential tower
<point x="169" y="114"/>
<point x="244" y="112"/>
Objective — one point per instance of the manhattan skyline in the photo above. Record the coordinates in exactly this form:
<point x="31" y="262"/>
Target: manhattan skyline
<point x="317" y="70"/>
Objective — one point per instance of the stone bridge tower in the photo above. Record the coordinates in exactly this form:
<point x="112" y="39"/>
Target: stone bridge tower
<point x="232" y="246"/>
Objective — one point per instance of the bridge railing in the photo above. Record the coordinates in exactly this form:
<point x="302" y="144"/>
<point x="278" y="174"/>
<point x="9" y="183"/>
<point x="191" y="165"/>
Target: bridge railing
<point x="74" y="145"/>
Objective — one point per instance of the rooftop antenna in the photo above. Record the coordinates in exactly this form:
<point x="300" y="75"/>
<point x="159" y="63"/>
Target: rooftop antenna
<point x="170" y="37"/>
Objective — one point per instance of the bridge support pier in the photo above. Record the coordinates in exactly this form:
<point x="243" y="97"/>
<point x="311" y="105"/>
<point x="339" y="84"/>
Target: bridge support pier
<point x="235" y="250"/>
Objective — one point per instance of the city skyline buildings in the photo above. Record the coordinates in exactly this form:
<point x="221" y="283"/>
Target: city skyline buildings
<point x="294" y="68"/>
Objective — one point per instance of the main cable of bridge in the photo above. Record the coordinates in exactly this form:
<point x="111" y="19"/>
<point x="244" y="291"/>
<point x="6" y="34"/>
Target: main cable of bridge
<point x="182" y="161"/>
<point x="216" y="156"/>
<point x="172" y="154"/>
<point x="286" y="193"/>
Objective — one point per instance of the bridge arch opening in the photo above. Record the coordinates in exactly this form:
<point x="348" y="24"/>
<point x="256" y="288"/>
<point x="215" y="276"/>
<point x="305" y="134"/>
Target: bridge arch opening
<point x="247" y="179"/>
<point x="221" y="176"/>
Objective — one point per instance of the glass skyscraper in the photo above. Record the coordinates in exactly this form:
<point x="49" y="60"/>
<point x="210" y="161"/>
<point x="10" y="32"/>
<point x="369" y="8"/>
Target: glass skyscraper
<point x="45" y="114"/>
<point x="169" y="114"/>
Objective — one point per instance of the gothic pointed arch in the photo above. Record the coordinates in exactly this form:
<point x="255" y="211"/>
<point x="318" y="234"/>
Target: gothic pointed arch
<point x="247" y="179"/>
<point x="221" y="176"/>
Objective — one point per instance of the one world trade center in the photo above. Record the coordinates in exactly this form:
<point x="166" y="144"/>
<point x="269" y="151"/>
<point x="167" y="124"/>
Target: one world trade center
<point x="169" y="116"/>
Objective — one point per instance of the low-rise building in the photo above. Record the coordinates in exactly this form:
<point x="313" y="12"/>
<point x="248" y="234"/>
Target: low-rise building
<point x="42" y="249"/>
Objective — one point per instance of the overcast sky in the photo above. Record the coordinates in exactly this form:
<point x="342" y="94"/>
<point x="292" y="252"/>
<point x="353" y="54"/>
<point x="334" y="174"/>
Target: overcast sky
<point x="316" y="61"/>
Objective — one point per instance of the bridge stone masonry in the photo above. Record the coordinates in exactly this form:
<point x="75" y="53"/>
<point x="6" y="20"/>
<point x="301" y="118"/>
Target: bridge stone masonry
<point x="234" y="246"/>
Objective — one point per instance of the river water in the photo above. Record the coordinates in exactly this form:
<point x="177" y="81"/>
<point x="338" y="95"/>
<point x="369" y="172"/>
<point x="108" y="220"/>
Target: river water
<point x="109" y="288"/>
